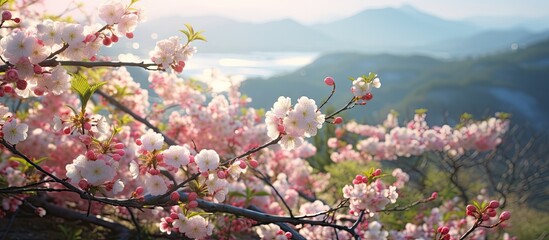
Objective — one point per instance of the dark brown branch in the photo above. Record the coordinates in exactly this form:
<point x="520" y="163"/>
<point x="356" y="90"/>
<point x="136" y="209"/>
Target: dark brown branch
<point x="54" y="62"/>
<point x="121" y="231"/>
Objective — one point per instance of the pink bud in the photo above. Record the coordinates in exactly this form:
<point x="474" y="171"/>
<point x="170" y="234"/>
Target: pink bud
<point x="107" y="41"/>
<point x="279" y="232"/>
<point x="192" y="204"/>
<point x="38" y="91"/>
<point x="90" y="154"/>
<point x="221" y="174"/>
<point x="12" y="75"/>
<point x="505" y="215"/>
<point x="129" y="35"/>
<point x="439" y="229"/>
<point x="485" y="217"/>
<point x="67" y="130"/>
<point x="446" y="237"/>
<point x="6" y="15"/>
<point x="90" y="38"/>
<point x="444" y="230"/>
<point x="153" y="171"/>
<point x="493" y="204"/>
<point x="116" y="157"/>
<point x="114" y="38"/>
<point x="120" y="152"/>
<point x="21" y="84"/>
<point x="242" y="165"/>
<point x="174" y="196"/>
<point x="17" y="20"/>
<point x="368" y="96"/>
<point x="138" y="142"/>
<point x="191" y="158"/>
<point x="192" y="196"/>
<point x="139" y="190"/>
<point x="491" y="212"/>
<point x="470" y="213"/>
<point x="471" y="208"/>
<point x="87" y="126"/>
<point x="168" y="219"/>
<point x="377" y="172"/>
<point x="338" y="120"/>
<point x="288" y="235"/>
<point x="119" y="145"/>
<point x="37" y="69"/>
<point x="434" y="196"/>
<point x="254" y="163"/>
<point x="356" y="181"/>
<point x="83" y="184"/>
<point x="159" y="157"/>
<point x="174" y="215"/>
<point x="8" y="89"/>
<point x="329" y="81"/>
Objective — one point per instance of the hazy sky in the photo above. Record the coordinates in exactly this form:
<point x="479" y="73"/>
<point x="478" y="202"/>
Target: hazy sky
<point x="312" y="11"/>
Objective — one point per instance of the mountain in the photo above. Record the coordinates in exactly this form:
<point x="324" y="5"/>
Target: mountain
<point x="513" y="81"/>
<point x="394" y="27"/>
<point x="227" y="35"/>
<point x="403" y="30"/>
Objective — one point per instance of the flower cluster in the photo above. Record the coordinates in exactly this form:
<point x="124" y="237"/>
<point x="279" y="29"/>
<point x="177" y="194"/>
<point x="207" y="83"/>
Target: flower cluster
<point x="389" y="141"/>
<point x="369" y="195"/>
<point x="172" y="54"/>
<point x="293" y="123"/>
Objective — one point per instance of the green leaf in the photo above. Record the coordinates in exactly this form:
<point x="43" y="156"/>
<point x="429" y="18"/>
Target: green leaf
<point x="79" y="84"/>
<point x="190" y="28"/>
<point x="186" y="33"/>
<point x="236" y="194"/>
<point x="421" y="111"/>
<point x="83" y="88"/>
<point x="261" y="193"/>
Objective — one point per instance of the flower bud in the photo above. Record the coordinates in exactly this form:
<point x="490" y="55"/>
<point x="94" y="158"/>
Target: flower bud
<point x="107" y="41"/>
<point x="139" y="190"/>
<point x="377" y="172"/>
<point x="254" y="163"/>
<point x="114" y="38"/>
<point x="471" y="208"/>
<point x="221" y="174"/>
<point x="444" y="230"/>
<point x="192" y="196"/>
<point x="338" y="120"/>
<point x="12" y="75"/>
<point x="83" y="184"/>
<point x="505" y="215"/>
<point x="329" y="81"/>
<point x="21" y="84"/>
<point x="37" y="69"/>
<point x="493" y="204"/>
<point x="192" y="204"/>
<point x="174" y="196"/>
<point x="288" y="235"/>
<point x="6" y="15"/>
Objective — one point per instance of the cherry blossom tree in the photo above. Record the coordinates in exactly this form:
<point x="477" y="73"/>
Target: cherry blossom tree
<point x="81" y="139"/>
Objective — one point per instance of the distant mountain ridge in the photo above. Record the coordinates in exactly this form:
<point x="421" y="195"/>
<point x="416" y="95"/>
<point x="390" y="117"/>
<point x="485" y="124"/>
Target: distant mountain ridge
<point x="513" y="81"/>
<point x="403" y="30"/>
